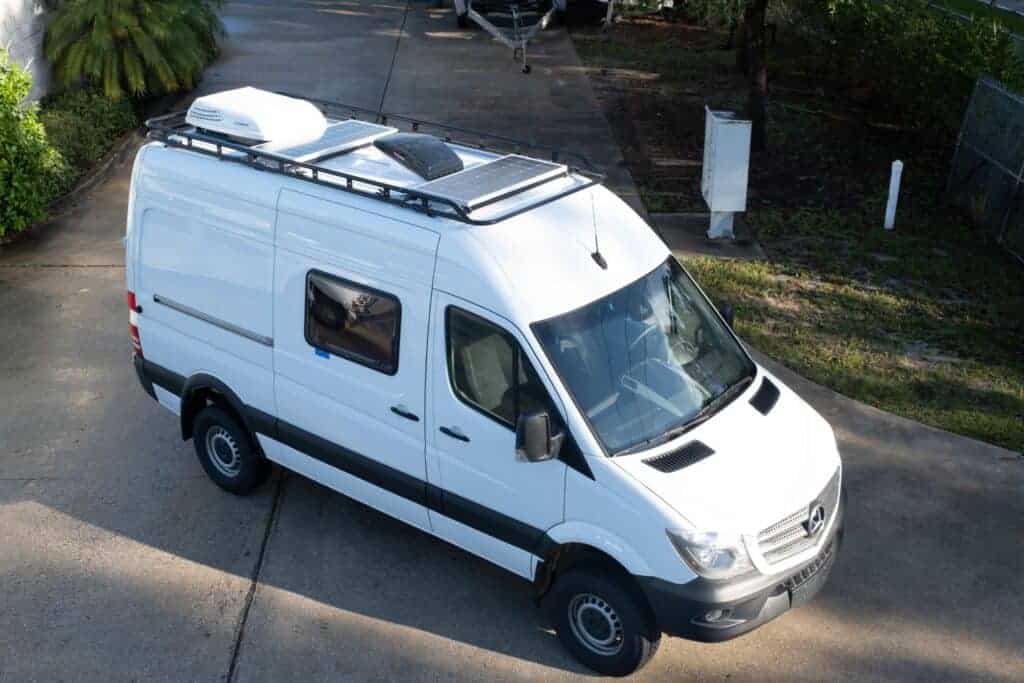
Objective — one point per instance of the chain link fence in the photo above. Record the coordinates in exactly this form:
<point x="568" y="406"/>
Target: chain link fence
<point x="987" y="177"/>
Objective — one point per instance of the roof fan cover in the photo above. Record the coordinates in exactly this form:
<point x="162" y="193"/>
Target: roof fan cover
<point x="425" y="155"/>
<point x="256" y="114"/>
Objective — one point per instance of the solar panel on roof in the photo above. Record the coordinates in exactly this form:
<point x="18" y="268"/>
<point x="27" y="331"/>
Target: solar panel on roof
<point x="478" y="185"/>
<point x="337" y="138"/>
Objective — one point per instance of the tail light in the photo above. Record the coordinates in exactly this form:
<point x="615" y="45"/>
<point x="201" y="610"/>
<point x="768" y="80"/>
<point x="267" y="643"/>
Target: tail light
<point x="133" y="324"/>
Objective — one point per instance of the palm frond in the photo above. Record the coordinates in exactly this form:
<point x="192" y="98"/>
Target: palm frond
<point x="133" y="46"/>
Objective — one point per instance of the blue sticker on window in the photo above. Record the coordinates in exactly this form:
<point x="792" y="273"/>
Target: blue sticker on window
<point x="320" y="352"/>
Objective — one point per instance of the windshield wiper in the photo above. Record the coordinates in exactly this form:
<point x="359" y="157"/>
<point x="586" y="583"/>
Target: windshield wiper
<point x="718" y="402"/>
<point x="700" y="417"/>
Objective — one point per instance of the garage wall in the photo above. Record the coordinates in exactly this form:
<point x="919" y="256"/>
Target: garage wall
<point x="22" y="23"/>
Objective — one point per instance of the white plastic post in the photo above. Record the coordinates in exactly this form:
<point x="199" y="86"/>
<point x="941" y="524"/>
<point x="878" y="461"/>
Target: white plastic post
<point x="609" y="16"/>
<point x="894" y="194"/>
<point x="721" y="225"/>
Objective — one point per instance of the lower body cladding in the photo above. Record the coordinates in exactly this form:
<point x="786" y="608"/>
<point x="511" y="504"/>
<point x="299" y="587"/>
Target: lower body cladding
<point x="713" y="611"/>
<point x="704" y="610"/>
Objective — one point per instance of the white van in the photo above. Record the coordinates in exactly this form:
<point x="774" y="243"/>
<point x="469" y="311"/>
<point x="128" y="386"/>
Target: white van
<point x="490" y="347"/>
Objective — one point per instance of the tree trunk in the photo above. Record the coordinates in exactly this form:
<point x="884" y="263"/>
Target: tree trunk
<point x="743" y="42"/>
<point x="757" y="103"/>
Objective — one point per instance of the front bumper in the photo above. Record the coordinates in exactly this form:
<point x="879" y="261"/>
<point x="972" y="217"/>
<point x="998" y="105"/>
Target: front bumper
<point x="746" y="602"/>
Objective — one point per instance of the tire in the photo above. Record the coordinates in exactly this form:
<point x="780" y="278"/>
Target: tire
<point x="587" y="607"/>
<point x="462" y="21"/>
<point x="233" y="464"/>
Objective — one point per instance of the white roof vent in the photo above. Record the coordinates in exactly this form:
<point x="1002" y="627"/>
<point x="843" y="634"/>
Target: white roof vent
<point x="257" y="115"/>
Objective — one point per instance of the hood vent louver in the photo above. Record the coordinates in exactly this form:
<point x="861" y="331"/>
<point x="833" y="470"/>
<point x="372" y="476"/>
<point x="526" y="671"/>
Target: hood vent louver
<point x="673" y="461"/>
<point x="766" y="397"/>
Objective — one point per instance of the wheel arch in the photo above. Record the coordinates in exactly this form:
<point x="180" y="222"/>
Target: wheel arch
<point x="202" y="388"/>
<point x="576" y="543"/>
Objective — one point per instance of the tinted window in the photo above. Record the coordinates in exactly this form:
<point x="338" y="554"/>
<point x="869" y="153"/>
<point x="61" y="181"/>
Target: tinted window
<point x="489" y="371"/>
<point x="353" y="321"/>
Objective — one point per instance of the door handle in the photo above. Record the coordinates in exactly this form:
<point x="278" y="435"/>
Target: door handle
<point x="402" y="411"/>
<point x="454" y="433"/>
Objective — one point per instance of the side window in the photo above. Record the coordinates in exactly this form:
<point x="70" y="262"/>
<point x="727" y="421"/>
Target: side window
<point x="489" y="371"/>
<point x="353" y="321"/>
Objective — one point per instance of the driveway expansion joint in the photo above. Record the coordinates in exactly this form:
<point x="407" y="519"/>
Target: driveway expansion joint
<point x="250" y="596"/>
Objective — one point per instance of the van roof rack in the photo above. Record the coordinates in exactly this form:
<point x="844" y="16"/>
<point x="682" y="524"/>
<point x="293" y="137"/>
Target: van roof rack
<point x="454" y="196"/>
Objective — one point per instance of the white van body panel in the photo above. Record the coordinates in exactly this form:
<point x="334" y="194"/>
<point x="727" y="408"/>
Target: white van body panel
<point x="202" y="238"/>
<point x="219" y="257"/>
<point x="168" y="400"/>
<point x="538" y="264"/>
<point x="485" y="470"/>
<point x="344" y="402"/>
<point x="619" y="516"/>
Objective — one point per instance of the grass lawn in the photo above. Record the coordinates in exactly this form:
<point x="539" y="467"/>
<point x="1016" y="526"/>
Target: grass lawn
<point x="925" y="322"/>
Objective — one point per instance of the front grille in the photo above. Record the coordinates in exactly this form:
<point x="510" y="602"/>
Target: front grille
<point x="788" y="536"/>
<point x="808" y="572"/>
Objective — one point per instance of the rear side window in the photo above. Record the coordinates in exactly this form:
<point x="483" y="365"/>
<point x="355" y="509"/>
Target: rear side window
<point x="489" y="371"/>
<point x="353" y="321"/>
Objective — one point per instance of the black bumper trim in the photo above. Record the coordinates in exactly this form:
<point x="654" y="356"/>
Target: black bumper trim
<point x="144" y="378"/>
<point x="152" y="374"/>
<point x="752" y="602"/>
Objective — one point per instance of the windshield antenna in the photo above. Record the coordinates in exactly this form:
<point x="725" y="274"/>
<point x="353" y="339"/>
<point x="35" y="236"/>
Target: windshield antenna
<point x="598" y="258"/>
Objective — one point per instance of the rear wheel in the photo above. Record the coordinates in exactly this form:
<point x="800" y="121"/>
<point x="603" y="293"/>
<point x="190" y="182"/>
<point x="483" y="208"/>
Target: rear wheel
<point x="226" y="451"/>
<point x="602" y="622"/>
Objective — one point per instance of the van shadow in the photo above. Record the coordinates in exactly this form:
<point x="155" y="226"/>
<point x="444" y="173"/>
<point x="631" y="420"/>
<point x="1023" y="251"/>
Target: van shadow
<point x="357" y="561"/>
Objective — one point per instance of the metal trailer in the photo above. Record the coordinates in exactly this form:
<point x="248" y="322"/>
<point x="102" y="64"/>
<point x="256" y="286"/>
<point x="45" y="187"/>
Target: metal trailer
<point x="514" y="23"/>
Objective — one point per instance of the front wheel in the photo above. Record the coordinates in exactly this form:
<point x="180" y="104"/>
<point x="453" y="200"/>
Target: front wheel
<point x="602" y="622"/>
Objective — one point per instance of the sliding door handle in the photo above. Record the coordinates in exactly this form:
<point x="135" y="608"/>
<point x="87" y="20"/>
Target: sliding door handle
<point x="454" y="433"/>
<point x="402" y="411"/>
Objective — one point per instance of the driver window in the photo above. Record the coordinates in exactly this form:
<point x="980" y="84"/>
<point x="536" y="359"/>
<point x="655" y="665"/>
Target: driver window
<point x="488" y="370"/>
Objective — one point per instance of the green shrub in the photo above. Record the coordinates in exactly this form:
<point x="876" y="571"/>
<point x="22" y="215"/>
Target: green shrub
<point x="722" y="14"/>
<point x="918" y="60"/>
<point x="30" y="169"/>
<point x="81" y="124"/>
<point x="718" y="14"/>
<point x="914" y="63"/>
<point x="140" y="47"/>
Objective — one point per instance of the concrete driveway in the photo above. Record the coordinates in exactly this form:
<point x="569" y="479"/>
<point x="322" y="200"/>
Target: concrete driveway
<point x="119" y="560"/>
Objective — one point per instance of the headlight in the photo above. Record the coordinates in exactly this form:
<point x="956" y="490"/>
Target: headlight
<point x="712" y="555"/>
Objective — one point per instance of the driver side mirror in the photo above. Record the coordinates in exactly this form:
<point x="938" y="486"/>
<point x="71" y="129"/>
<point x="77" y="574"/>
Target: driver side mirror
<point x="537" y="437"/>
<point x="727" y="313"/>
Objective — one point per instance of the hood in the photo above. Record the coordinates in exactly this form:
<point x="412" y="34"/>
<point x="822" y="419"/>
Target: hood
<point x="763" y="468"/>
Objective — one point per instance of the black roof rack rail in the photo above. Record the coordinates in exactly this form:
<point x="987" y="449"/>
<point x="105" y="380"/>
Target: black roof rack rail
<point x="172" y="130"/>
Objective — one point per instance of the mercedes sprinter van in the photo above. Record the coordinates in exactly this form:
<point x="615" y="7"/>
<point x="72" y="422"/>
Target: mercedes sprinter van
<point x="491" y="347"/>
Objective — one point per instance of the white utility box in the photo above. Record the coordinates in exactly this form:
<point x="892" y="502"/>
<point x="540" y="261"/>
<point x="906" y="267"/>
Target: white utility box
<point x="726" y="163"/>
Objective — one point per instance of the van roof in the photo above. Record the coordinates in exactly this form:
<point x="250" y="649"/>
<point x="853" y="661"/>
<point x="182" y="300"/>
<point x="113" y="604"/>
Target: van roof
<point x="529" y="267"/>
<point x="339" y="152"/>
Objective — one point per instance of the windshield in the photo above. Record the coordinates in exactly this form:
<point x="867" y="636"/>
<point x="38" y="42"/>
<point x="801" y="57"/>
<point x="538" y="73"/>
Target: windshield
<point x="646" y="361"/>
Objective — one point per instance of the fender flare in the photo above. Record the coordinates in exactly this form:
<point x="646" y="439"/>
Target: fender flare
<point x="200" y="381"/>
<point x="600" y="539"/>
